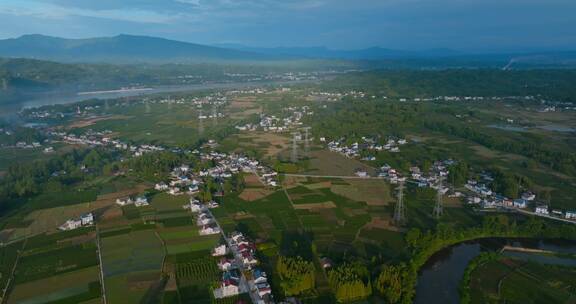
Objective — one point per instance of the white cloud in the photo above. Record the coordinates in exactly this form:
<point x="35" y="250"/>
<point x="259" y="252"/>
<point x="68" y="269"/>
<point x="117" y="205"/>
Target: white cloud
<point x="52" y="11"/>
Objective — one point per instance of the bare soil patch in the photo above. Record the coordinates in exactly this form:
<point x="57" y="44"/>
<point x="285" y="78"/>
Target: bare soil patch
<point x="270" y="143"/>
<point x="324" y="205"/>
<point x="82" y="123"/>
<point x="253" y="194"/>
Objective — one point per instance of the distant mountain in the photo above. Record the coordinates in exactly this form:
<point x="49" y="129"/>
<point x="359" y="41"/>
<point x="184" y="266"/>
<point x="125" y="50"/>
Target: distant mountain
<point x="121" y="48"/>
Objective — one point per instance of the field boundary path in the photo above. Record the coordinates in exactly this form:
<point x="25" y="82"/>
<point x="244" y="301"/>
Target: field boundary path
<point x="3" y="299"/>
<point x="101" y="265"/>
<point x="332" y="176"/>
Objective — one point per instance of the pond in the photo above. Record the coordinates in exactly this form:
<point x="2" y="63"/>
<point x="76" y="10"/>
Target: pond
<point x="439" y="278"/>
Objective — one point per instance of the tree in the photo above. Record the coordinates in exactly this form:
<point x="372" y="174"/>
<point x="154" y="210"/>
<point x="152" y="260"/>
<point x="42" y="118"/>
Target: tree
<point x="389" y="283"/>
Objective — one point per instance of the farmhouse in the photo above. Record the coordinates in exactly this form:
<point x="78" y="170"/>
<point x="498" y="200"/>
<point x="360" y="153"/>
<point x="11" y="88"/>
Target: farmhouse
<point x="87" y="219"/>
<point x="542" y="209"/>
<point x="225" y="264"/>
<point x="209" y="229"/>
<point x="229" y="286"/>
<point x="71" y="225"/>
<point x="141" y="201"/>
<point x="220" y="250"/>
<point x="124" y="201"/>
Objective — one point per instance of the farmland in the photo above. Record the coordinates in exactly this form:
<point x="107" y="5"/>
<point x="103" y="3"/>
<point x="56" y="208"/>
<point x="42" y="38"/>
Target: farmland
<point x="520" y="281"/>
<point x="309" y="206"/>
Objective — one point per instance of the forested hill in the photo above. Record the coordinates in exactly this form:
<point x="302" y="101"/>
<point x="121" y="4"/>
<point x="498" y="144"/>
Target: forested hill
<point x="119" y="49"/>
<point x="554" y="84"/>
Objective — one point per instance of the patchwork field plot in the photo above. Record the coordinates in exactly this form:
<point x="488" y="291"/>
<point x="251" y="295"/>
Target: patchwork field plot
<point x="37" y="265"/>
<point x="324" y="162"/>
<point x="131" y="263"/>
<point x="522" y="282"/>
<point x="195" y="278"/>
<point x="185" y="239"/>
<point x="72" y="287"/>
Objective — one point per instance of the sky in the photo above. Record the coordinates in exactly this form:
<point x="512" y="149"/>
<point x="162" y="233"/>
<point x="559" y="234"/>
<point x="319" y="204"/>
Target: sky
<point x="482" y="25"/>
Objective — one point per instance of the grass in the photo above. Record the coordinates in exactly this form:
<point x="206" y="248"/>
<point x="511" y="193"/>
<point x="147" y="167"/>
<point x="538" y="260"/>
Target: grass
<point x="522" y="282"/>
<point x="72" y="287"/>
<point x="164" y="202"/>
<point x="195" y="278"/>
<point x="131" y="252"/>
<point x="45" y="264"/>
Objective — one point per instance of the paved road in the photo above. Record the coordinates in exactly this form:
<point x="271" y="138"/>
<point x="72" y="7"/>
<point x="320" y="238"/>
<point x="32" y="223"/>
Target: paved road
<point x="254" y="296"/>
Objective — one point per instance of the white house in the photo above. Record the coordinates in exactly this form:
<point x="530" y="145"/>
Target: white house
<point x="124" y="201"/>
<point x="570" y="215"/>
<point x="209" y="229"/>
<point x="542" y="209"/>
<point x="529" y="196"/>
<point x="71" y="225"/>
<point x="520" y="203"/>
<point x="161" y="186"/>
<point x="87" y="219"/>
<point x="141" y="201"/>
<point x="225" y="264"/>
<point x="220" y="250"/>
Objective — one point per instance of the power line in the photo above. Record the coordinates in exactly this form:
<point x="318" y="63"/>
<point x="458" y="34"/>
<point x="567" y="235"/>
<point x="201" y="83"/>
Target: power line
<point x="439" y="208"/>
<point x="400" y="211"/>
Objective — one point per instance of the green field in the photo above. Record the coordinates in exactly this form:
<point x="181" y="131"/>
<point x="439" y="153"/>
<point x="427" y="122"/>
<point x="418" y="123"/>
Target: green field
<point x="71" y="287"/>
<point x="131" y="263"/>
<point x="517" y="281"/>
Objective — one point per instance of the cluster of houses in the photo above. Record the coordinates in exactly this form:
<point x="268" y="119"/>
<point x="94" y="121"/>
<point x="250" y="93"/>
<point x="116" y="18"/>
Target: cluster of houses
<point x="337" y="96"/>
<point x="276" y="124"/>
<point x="140" y="201"/>
<point x="184" y="179"/>
<point x="204" y="218"/>
<point x="92" y="138"/>
<point x="483" y="196"/>
<point x="243" y="259"/>
<point x="75" y="223"/>
<point x="367" y="145"/>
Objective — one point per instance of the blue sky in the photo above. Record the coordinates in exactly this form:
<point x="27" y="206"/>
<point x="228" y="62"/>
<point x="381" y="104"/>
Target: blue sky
<point x="342" y="24"/>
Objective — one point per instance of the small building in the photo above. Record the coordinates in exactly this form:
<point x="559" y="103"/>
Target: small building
<point x="71" y="225"/>
<point x="124" y="201"/>
<point x="542" y="209"/>
<point x="87" y="219"/>
<point x="570" y="215"/>
<point x="161" y="186"/>
<point x="141" y="201"/>
<point x="520" y="203"/>
<point x="220" y="250"/>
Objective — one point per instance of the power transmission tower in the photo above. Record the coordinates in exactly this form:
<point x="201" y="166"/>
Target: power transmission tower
<point x="400" y="211"/>
<point x="295" y="147"/>
<point x="438" y="209"/>
<point x="306" y="141"/>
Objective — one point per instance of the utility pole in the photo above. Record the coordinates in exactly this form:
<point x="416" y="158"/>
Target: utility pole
<point x="438" y="209"/>
<point x="400" y="211"/>
<point x="295" y="147"/>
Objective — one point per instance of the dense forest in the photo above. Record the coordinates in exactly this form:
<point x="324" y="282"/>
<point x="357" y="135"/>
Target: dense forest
<point x="555" y="84"/>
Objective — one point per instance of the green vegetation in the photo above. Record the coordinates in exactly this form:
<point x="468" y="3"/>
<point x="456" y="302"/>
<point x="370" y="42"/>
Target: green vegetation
<point x="504" y="279"/>
<point x="350" y="282"/>
<point x="297" y="275"/>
